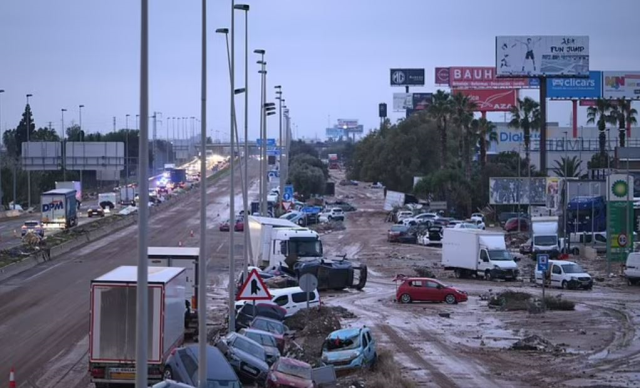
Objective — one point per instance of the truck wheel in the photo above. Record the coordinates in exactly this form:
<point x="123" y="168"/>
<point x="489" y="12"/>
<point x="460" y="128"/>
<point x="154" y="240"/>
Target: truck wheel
<point x="564" y="285"/>
<point x="575" y="251"/>
<point x="450" y="299"/>
<point x="405" y="298"/>
<point x="457" y="273"/>
<point x="167" y="374"/>
<point x="487" y="275"/>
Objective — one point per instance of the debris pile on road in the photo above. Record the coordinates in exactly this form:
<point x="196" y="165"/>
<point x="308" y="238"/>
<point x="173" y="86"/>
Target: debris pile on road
<point x="385" y="373"/>
<point x="523" y="301"/>
<point x="311" y="327"/>
<point x="536" y="343"/>
<point x="424" y="272"/>
<point x="328" y="227"/>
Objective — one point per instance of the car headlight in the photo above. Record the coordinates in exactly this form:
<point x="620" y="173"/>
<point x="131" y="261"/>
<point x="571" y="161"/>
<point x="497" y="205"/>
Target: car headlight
<point x="496" y="267"/>
<point x="574" y="278"/>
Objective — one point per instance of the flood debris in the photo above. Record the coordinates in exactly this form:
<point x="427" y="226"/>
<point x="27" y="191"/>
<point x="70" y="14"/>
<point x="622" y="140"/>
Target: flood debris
<point x="523" y="301"/>
<point x="536" y="343"/>
<point x="424" y="272"/>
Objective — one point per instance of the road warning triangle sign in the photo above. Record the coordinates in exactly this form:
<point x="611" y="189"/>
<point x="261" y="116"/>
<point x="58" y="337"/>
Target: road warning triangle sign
<point x="254" y="288"/>
<point x="286" y="206"/>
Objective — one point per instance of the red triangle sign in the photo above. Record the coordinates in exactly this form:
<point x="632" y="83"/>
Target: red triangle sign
<point x="254" y="288"/>
<point x="286" y="205"/>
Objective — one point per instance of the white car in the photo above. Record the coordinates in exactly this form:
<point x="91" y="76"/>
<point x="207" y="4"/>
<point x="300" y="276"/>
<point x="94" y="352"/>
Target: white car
<point x="273" y="196"/>
<point x="465" y="225"/>
<point x="477" y="217"/>
<point x="632" y="268"/>
<point x="566" y="274"/>
<point x="478" y="223"/>
<point x="377" y="185"/>
<point x="452" y="223"/>
<point x="424" y="218"/>
<point x="333" y="214"/>
<point x="402" y="214"/>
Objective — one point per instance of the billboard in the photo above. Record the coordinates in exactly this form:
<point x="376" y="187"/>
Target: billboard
<point x="347" y="123"/>
<point x="491" y="100"/>
<point x="513" y="191"/>
<point x="532" y="56"/>
<point x="335" y="133"/>
<point x="484" y="77"/>
<point x="575" y="88"/>
<point x="422" y="101"/>
<point x="407" y="77"/>
<point x="442" y="76"/>
<point x="41" y="155"/>
<point x="621" y="84"/>
<point x="402" y="101"/>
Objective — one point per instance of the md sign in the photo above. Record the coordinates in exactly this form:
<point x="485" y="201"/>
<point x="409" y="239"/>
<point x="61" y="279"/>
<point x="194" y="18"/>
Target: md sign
<point x="576" y="88"/>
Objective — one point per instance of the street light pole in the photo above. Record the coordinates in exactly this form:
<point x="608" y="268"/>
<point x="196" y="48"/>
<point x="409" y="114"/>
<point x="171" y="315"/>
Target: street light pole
<point x="63" y="153"/>
<point x="126" y="158"/>
<point x="28" y="136"/>
<point x="279" y="98"/>
<point x="202" y="268"/>
<point x="81" y="136"/>
<point x="142" y="291"/>
<point x="1" y="193"/>
<point x="232" y="204"/>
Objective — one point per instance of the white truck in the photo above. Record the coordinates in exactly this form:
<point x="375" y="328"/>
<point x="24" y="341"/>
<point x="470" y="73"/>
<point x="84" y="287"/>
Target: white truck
<point x="275" y="239"/>
<point x="108" y="200"/>
<point x="128" y="195"/>
<point x="187" y="258"/>
<point x="112" y="334"/>
<point x="72" y="185"/>
<point x="479" y="253"/>
<point x="544" y="236"/>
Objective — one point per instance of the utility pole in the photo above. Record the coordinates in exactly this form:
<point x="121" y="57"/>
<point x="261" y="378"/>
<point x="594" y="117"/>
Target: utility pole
<point x="64" y="151"/>
<point x="232" y="204"/>
<point x="28" y="135"/>
<point x="153" y="144"/>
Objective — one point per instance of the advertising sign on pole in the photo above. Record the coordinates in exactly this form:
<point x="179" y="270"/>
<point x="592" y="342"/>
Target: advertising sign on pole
<point x="407" y="77"/>
<point x="421" y="101"/>
<point x="442" y="76"/>
<point x="619" y="217"/>
<point x="476" y="77"/>
<point x="270" y="142"/>
<point x="491" y="100"/>
<point x="402" y="101"/>
<point x="575" y="88"/>
<point x="621" y="84"/>
<point x="534" y="56"/>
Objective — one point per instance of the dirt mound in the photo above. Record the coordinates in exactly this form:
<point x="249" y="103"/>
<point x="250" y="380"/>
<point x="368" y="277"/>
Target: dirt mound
<point x="328" y="227"/>
<point x="536" y="343"/>
<point x="311" y="327"/>
<point x="511" y="300"/>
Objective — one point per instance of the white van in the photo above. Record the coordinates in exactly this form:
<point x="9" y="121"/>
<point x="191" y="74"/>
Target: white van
<point x="596" y="240"/>
<point x="293" y="299"/>
<point x="566" y="274"/>
<point x="632" y="268"/>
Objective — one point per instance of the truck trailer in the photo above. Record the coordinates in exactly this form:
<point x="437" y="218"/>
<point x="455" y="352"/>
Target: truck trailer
<point x="187" y="258"/>
<point x="112" y="334"/>
<point x="544" y="236"/>
<point x="59" y="209"/>
<point x="473" y="252"/>
<point x="72" y="185"/>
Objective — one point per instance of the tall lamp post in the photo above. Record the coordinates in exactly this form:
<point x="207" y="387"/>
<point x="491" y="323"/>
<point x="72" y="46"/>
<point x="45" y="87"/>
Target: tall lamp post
<point x="80" y="136"/>
<point x="269" y="109"/>
<point x="278" y="89"/>
<point x="262" y="147"/>
<point x="1" y="193"/>
<point x="126" y="157"/>
<point x="63" y="153"/>
<point x="245" y="191"/>
<point x="232" y="204"/>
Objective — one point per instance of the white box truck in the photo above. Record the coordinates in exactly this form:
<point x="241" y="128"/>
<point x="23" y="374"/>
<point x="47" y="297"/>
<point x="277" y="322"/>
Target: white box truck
<point x="275" y="239"/>
<point x="187" y="258"/>
<point x="479" y="253"/>
<point x="544" y="236"/>
<point x="112" y="333"/>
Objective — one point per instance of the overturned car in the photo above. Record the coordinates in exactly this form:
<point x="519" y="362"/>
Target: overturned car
<point x="331" y="274"/>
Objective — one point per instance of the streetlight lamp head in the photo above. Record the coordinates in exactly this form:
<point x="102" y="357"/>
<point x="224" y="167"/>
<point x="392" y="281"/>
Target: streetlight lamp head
<point x="1" y="90"/>
<point x="270" y="113"/>
<point x="239" y="91"/>
<point x="29" y="95"/>
<point x="266" y="104"/>
<point x="81" y="106"/>
<point x="259" y="51"/>
<point x="63" y="110"/>
<point x="278" y="87"/>
<point x="242" y="7"/>
<point x="261" y="62"/>
<point x="222" y="31"/>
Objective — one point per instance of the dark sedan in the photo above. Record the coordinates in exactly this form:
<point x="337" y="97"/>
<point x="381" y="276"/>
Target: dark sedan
<point x="267" y="340"/>
<point x="401" y="234"/>
<point x="248" y="312"/>
<point x="95" y="212"/>
<point x="182" y="367"/>
<point x="247" y="357"/>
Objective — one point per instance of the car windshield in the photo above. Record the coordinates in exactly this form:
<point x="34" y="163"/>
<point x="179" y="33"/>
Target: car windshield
<point x="262" y="339"/>
<point x="31" y="223"/>
<point x="303" y="372"/>
<point x="309" y="248"/>
<point x="572" y="268"/>
<point x="342" y="343"/>
<point x="269" y="326"/>
<point x="545" y="240"/>
<point x="223" y="384"/>
<point x="499" y="255"/>
<point x="249" y="347"/>
<point x="288" y="216"/>
<point x="398" y="228"/>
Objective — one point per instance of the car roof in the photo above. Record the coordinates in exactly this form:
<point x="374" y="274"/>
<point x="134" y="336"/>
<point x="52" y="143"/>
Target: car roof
<point x="293" y="361"/>
<point x="434" y="280"/>
<point x="217" y="366"/>
<point x="285" y="291"/>
<point x="343" y="333"/>
<point x="259" y="317"/>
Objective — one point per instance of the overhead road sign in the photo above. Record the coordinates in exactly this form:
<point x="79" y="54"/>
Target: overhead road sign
<point x="270" y="142"/>
<point x="254" y="288"/>
<point x="535" y="56"/>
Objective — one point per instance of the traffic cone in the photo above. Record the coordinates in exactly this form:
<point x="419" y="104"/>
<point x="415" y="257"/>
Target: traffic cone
<point x="191" y="233"/>
<point x="12" y="378"/>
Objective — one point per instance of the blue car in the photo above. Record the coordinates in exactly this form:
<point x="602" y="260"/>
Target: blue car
<point x="349" y="349"/>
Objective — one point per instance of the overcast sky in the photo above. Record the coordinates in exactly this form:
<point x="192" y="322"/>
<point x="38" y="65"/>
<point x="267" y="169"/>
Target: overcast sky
<point x="331" y="57"/>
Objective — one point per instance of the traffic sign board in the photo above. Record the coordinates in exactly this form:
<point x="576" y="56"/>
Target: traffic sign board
<point x="254" y="288"/>
<point x="308" y="282"/>
<point x="288" y="193"/>
<point x="543" y="262"/>
<point x="286" y="206"/>
<point x="273" y="152"/>
<point x="270" y="142"/>
<point x="622" y="240"/>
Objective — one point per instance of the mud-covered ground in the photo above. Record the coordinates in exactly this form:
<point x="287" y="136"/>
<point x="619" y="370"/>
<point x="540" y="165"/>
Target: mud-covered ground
<point x="596" y="345"/>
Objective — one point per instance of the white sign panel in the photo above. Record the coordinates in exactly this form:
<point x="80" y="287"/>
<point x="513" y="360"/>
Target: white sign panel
<point x="619" y="187"/>
<point x="621" y="84"/>
<point x="402" y="101"/>
<point x="532" y="56"/>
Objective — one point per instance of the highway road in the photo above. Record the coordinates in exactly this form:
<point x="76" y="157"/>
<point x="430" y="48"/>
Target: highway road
<point x="44" y="312"/>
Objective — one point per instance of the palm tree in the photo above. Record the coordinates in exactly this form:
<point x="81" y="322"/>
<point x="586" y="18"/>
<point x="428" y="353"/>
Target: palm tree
<point x="568" y="167"/>
<point x="526" y="116"/>
<point x="602" y="114"/>
<point x="440" y="111"/>
<point x="463" y="108"/>
<point x="626" y="116"/>
<point x="485" y="130"/>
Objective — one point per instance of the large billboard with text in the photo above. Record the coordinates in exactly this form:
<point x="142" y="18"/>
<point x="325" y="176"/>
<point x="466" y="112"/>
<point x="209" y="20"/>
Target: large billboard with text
<point x="576" y="88"/>
<point x="476" y="77"/>
<point x="407" y="77"/>
<point x="621" y="84"/>
<point x="491" y="100"/>
<point x="533" y="56"/>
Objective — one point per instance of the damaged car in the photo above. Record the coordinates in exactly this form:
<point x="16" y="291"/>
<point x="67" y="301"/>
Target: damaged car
<point x="349" y="349"/>
<point x="247" y="357"/>
<point x="267" y="340"/>
<point x="290" y="373"/>
<point x="331" y="274"/>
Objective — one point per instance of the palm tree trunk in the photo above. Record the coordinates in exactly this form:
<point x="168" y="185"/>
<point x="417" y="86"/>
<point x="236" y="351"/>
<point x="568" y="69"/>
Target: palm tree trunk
<point x="621" y="134"/>
<point x="443" y="145"/>
<point x="602" y="141"/>
<point x="483" y="152"/>
<point x="527" y="146"/>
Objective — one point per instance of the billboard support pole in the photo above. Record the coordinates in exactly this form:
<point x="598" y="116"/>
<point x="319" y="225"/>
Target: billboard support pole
<point x="543" y="125"/>
<point x="574" y="103"/>
<point x="484" y="114"/>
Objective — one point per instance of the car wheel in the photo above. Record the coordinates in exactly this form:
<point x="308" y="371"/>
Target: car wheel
<point x="329" y="218"/>
<point x="575" y="251"/>
<point x="564" y="285"/>
<point x="167" y="374"/>
<point x="405" y="298"/>
<point x="450" y="299"/>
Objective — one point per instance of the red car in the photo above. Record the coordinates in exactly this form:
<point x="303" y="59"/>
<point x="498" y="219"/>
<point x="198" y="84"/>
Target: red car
<point x="224" y="227"/>
<point x="239" y="226"/>
<point x="512" y="225"/>
<point x="428" y="290"/>
<point x="289" y="373"/>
